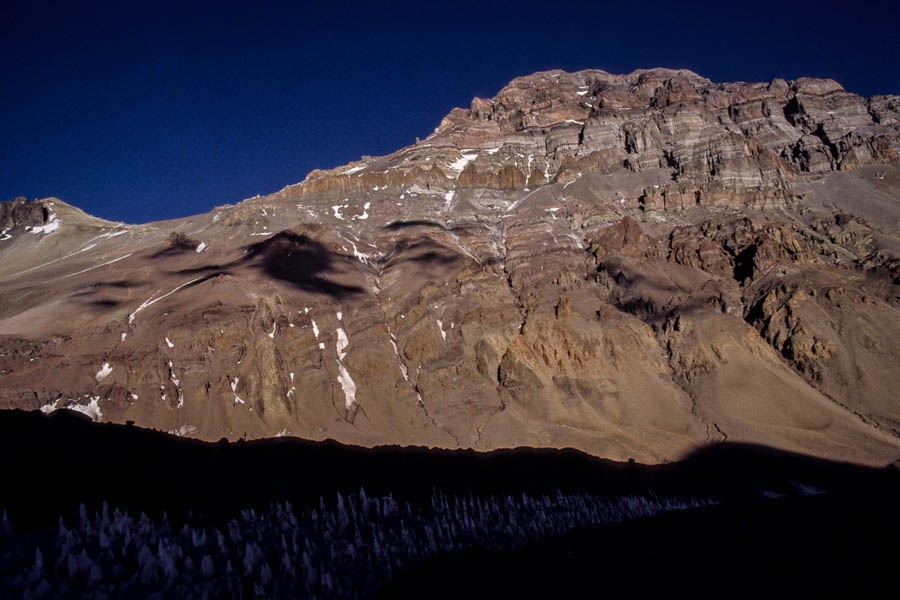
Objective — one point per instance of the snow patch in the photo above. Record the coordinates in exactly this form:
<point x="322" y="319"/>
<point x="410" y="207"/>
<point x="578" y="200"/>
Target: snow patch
<point x="51" y="226"/>
<point x="441" y="327"/>
<point x="521" y="200"/>
<point x="459" y="164"/>
<point x="91" y="409"/>
<point x="184" y="430"/>
<point x="109" y="262"/>
<point x="272" y="333"/>
<point x="403" y="368"/>
<point x="354" y="170"/>
<point x="169" y="343"/>
<point x="342" y="343"/>
<point x="448" y="199"/>
<point x="201" y="247"/>
<point x="348" y="385"/>
<point x="315" y="328"/>
<point x="360" y="256"/>
<point x="234" y="384"/>
<point x="337" y="211"/>
<point x="50" y="407"/>
<point x="104" y="372"/>
<point x="153" y="300"/>
<point x="177" y="385"/>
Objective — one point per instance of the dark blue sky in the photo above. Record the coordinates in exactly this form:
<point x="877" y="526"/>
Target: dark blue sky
<point x="143" y="111"/>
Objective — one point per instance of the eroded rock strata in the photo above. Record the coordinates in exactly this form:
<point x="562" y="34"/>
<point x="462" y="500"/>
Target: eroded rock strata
<point x="633" y="265"/>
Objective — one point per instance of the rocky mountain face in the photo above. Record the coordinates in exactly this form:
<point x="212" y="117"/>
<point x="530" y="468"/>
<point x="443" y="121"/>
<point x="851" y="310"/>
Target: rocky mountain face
<point x="632" y="265"/>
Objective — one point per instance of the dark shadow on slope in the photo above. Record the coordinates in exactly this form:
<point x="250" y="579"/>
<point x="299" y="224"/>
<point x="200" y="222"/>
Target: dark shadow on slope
<point x="90" y="294"/>
<point x="121" y="284"/>
<point x="289" y="257"/>
<point x="104" y="304"/>
<point x="649" y="300"/>
<point x="648" y="311"/>
<point x="98" y="287"/>
<point x="744" y="265"/>
<point x="421" y="249"/>
<point x="399" y="225"/>
<point x="177" y="243"/>
<point x="63" y="459"/>
<point x="799" y="542"/>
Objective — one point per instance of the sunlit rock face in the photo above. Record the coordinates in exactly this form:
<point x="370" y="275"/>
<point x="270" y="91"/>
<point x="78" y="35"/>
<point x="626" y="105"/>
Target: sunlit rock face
<point x="632" y="265"/>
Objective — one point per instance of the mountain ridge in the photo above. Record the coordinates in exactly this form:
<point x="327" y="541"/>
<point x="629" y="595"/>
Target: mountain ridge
<point x="631" y="265"/>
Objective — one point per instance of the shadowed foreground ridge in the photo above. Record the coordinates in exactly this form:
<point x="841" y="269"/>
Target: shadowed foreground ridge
<point x="633" y="265"/>
<point x="302" y="515"/>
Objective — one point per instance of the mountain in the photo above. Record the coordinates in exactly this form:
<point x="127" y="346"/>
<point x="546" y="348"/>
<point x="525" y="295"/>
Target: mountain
<point x="632" y="265"/>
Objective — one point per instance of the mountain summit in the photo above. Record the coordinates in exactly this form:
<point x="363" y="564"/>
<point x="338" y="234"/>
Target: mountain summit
<point x="632" y="265"/>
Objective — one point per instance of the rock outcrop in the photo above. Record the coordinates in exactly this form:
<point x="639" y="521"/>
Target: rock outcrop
<point x="633" y="265"/>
